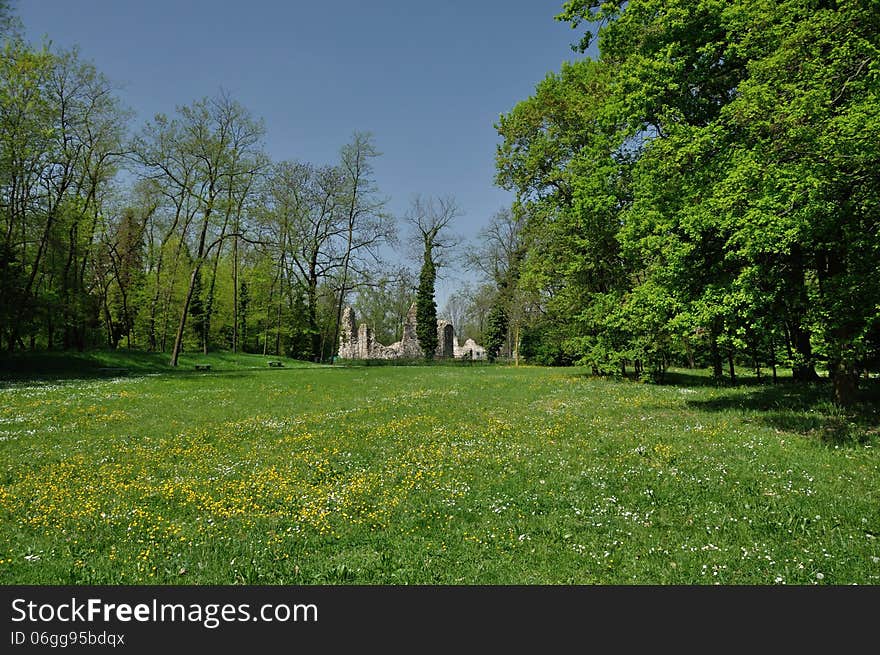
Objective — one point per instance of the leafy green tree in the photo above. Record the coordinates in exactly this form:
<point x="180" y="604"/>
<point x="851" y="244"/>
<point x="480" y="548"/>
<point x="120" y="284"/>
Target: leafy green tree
<point x="202" y="156"/>
<point x="426" y="308"/>
<point x="496" y="331"/>
<point x="808" y="114"/>
<point x="6" y="17"/>
<point x="61" y="130"/>
<point x="567" y="163"/>
<point x="125" y="255"/>
<point x="300" y="335"/>
<point x="706" y="189"/>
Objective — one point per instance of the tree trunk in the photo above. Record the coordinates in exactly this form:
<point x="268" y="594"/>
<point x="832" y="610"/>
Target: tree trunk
<point x="516" y="344"/>
<point x="773" y="358"/>
<point x="178" y="341"/>
<point x="717" y="366"/>
<point x="690" y="353"/>
<point x="278" y="324"/>
<point x="26" y="305"/>
<point x="166" y="307"/>
<point x="235" y="293"/>
<point x="846" y="384"/>
<point x="803" y="367"/>
<point x="842" y="366"/>
<point x="268" y="320"/>
<point x="314" y="332"/>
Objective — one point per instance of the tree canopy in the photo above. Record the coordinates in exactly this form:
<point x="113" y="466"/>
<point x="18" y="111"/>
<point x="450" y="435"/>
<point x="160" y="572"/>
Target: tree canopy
<point x="178" y="234"/>
<point x="706" y="188"/>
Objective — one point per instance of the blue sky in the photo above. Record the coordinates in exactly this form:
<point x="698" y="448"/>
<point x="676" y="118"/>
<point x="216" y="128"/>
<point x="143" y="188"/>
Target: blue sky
<point x="428" y="79"/>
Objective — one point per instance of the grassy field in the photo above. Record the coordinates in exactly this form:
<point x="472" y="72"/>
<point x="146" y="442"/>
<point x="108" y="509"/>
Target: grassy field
<point x="433" y="475"/>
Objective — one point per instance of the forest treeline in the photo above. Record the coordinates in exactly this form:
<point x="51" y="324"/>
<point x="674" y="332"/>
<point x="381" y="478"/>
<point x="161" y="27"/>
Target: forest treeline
<point x="180" y="233"/>
<point x="704" y="191"/>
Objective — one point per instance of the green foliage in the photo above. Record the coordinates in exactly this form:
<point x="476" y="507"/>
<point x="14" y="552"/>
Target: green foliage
<point x="82" y="266"/>
<point x="426" y="307"/>
<point x="543" y="343"/>
<point x="300" y="344"/>
<point x="706" y="189"/>
<point x="197" y="311"/>
<point x="383" y="304"/>
<point x="496" y="331"/>
<point x="61" y="131"/>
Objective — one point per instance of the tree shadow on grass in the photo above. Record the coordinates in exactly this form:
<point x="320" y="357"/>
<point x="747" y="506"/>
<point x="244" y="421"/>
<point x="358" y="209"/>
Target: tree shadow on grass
<point x="49" y="367"/>
<point x="788" y="406"/>
<point x="55" y="369"/>
<point x="85" y="376"/>
<point x="685" y="378"/>
<point x="703" y="378"/>
<point x="805" y="409"/>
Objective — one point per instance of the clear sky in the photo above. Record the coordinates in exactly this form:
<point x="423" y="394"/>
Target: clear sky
<point x="428" y="79"/>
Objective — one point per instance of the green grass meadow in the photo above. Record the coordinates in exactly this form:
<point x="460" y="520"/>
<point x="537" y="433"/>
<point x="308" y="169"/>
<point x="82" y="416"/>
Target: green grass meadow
<point x="391" y="475"/>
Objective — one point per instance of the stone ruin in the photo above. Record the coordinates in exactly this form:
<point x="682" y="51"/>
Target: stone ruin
<point x="470" y="350"/>
<point x="357" y="341"/>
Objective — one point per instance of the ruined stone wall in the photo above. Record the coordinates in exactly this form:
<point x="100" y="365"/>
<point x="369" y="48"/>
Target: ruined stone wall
<point x="445" y="334"/>
<point x="357" y="342"/>
<point x="470" y="350"/>
<point x="364" y="342"/>
<point x="408" y="347"/>
<point x="348" y="335"/>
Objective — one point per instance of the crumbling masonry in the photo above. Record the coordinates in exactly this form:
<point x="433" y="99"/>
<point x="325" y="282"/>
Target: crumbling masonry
<point x="357" y="342"/>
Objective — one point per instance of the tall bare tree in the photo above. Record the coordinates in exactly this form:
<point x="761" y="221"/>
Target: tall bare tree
<point x="61" y="130"/>
<point x="428" y="218"/>
<point x="498" y="256"/>
<point x="211" y="147"/>
<point x="366" y="224"/>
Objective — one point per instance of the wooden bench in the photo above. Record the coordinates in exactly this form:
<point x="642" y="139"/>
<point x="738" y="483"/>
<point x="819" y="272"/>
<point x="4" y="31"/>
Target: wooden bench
<point x="276" y="364"/>
<point x="203" y="367"/>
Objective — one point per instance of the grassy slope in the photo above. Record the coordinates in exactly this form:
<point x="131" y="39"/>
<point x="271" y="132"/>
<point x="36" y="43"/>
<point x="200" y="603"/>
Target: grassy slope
<point x="439" y="475"/>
